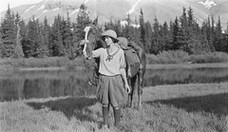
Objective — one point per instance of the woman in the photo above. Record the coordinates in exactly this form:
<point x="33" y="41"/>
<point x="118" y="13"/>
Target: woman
<point x="112" y="78"/>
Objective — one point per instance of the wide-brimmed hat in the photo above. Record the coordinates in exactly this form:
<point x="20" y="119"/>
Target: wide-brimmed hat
<point x="110" y="33"/>
<point x="123" y="42"/>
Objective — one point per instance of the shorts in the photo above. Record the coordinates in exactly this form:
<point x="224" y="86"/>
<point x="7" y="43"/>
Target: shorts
<point x="111" y="90"/>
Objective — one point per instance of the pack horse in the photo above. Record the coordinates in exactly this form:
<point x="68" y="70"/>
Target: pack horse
<point x="93" y="41"/>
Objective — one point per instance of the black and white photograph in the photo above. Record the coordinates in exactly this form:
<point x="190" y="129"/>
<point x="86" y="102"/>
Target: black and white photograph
<point x="114" y="66"/>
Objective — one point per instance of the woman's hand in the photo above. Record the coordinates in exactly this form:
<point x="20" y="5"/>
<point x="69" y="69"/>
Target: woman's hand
<point x="127" y="88"/>
<point x="84" y="41"/>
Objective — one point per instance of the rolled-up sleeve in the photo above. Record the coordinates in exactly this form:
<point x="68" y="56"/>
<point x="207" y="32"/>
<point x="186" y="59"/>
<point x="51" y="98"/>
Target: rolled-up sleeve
<point x="97" y="52"/>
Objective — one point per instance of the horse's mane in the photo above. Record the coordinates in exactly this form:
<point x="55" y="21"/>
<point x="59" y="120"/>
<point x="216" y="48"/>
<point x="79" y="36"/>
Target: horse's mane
<point x="94" y="33"/>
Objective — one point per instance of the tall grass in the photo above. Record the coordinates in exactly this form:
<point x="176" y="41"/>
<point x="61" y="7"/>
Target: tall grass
<point x="212" y="57"/>
<point x="35" y="62"/>
<point x="160" y="112"/>
<point x="11" y="63"/>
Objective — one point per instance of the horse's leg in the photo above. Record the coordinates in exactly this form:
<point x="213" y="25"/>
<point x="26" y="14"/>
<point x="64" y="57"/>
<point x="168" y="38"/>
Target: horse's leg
<point x="129" y="100"/>
<point x="132" y="85"/>
<point x="140" y="86"/>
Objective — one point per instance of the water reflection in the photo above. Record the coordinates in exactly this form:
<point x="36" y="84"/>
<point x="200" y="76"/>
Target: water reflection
<point x="43" y="84"/>
<point x="182" y="76"/>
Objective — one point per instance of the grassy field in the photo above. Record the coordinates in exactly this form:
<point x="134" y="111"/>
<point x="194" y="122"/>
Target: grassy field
<point x="171" y="108"/>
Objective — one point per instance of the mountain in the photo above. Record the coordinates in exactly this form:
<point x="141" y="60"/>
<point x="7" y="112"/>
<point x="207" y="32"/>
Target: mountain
<point x="164" y="10"/>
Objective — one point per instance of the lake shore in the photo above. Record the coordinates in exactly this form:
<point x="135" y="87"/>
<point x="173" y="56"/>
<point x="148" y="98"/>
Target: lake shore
<point x="188" y="107"/>
<point x="185" y="65"/>
<point x="149" y="66"/>
<point x="61" y="63"/>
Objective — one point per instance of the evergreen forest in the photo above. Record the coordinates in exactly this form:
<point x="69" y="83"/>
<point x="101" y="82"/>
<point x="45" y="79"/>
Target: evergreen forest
<point x="38" y="39"/>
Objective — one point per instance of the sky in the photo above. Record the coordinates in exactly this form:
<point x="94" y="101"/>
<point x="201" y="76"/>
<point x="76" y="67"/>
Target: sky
<point x="14" y="3"/>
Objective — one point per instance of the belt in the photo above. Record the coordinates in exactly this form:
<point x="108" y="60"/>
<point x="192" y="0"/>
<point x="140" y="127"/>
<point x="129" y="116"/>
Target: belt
<point x="110" y="75"/>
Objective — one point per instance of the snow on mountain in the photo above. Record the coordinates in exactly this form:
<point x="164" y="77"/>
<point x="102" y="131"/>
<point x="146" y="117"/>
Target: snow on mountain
<point x="208" y="3"/>
<point x="133" y="7"/>
<point x="163" y="10"/>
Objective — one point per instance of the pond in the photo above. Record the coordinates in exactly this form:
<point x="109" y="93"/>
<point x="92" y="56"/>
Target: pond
<point x="44" y="84"/>
<point x="185" y="76"/>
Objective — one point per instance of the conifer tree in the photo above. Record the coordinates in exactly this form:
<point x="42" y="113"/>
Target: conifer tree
<point x="148" y="36"/>
<point x="18" y="53"/>
<point x="156" y="38"/>
<point x="166" y="36"/>
<point x="136" y="32"/>
<point x="129" y="31"/>
<point x="57" y="38"/>
<point x="82" y="21"/>
<point x="67" y="36"/>
<point x="8" y="31"/>
<point x="46" y="37"/>
<point x="126" y="28"/>
<point x="142" y="28"/>
<point x="219" y="46"/>
<point x="183" y="34"/>
<point x="190" y="18"/>
<point x="175" y="33"/>
<point x="209" y="34"/>
<point x="1" y="43"/>
<point x="31" y="38"/>
<point x="41" y="46"/>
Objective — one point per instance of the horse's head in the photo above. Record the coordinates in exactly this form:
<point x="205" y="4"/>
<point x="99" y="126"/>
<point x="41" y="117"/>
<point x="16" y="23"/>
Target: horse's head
<point x="91" y="40"/>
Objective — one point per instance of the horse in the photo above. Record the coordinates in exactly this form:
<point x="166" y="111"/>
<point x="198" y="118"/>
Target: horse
<point x="93" y="41"/>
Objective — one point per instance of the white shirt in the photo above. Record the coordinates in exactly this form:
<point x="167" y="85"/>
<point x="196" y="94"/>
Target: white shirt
<point x="110" y="67"/>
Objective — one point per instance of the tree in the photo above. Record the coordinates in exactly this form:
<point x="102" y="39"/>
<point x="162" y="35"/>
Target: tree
<point x="218" y="37"/>
<point x="18" y="53"/>
<point x="8" y="34"/>
<point x="67" y="36"/>
<point x="155" y="46"/>
<point x="57" y="38"/>
<point x="29" y="44"/>
<point x="82" y="21"/>
<point x="175" y="32"/>
<point x="127" y="28"/>
<point x="46" y="36"/>
<point x="183" y="34"/>
<point x="148" y="36"/>
<point x="166" y="37"/>
<point x="142" y="29"/>
<point x="41" y="44"/>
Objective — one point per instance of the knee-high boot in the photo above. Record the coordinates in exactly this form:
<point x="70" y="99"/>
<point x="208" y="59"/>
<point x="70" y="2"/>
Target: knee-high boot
<point x="105" y="115"/>
<point x="117" y="113"/>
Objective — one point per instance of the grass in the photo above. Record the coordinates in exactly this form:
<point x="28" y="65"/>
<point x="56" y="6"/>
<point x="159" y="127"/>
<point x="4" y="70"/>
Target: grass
<point x="173" y="108"/>
<point x="9" y="64"/>
<point x="60" y="63"/>
<point x="179" y="56"/>
<point x="185" y="65"/>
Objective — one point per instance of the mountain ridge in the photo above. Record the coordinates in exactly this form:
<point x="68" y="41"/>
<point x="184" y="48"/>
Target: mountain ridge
<point x="163" y="10"/>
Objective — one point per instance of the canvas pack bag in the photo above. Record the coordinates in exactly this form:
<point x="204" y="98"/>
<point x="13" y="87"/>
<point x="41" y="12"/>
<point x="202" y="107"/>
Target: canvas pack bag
<point x="132" y="61"/>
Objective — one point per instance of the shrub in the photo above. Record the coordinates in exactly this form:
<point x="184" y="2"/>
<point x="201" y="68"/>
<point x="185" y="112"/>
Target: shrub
<point x="212" y="57"/>
<point x="152" y="59"/>
<point x="179" y="56"/>
<point x="36" y="62"/>
<point x="168" y="57"/>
